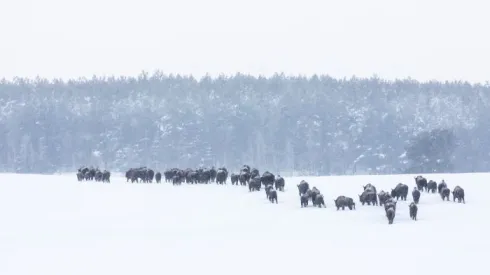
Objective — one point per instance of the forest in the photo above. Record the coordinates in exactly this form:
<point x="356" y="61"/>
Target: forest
<point x="293" y="125"/>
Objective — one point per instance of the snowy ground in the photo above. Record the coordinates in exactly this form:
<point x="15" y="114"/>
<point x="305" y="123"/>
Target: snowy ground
<point x="54" y="225"/>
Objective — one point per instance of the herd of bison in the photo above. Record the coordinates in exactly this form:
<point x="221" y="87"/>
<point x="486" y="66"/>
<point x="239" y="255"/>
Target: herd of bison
<point x="272" y="184"/>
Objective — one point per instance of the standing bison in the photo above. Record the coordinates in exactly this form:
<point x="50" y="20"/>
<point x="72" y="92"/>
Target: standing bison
<point x="383" y="197"/>
<point x="432" y="186"/>
<point x="304" y="198"/>
<point x="416" y="195"/>
<point x="390" y="215"/>
<point x="421" y="183"/>
<point x="369" y="197"/>
<point x="303" y="186"/>
<point x="267" y="178"/>
<point x="254" y="184"/>
<point x="272" y="196"/>
<point x="158" y="177"/>
<point x="234" y="179"/>
<point x="440" y="186"/>
<point x="319" y="201"/>
<point x="458" y="194"/>
<point x="244" y="177"/>
<point x="221" y="176"/>
<point x="413" y="209"/>
<point x="445" y="193"/>
<point x="279" y="183"/>
<point x="106" y="176"/>
<point x="400" y="191"/>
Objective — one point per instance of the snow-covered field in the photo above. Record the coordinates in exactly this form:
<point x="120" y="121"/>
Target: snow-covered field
<point x="55" y="225"/>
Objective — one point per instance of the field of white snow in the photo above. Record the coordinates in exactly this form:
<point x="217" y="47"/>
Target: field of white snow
<point x="55" y="225"/>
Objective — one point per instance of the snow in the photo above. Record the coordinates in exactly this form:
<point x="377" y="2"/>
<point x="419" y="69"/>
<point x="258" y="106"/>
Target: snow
<point x="55" y="225"/>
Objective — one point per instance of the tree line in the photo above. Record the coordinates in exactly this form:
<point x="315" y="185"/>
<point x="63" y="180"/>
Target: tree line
<point x="315" y="125"/>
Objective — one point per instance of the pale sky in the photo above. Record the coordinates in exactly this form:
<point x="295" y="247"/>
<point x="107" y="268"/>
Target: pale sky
<point x="429" y="39"/>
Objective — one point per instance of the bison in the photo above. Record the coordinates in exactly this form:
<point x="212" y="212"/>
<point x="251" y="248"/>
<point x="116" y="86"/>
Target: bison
<point x="383" y="196"/>
<point x="421" y="183"/>
<point x="413" y="209"/>
<point x="158" y="177"/>
<point x="458" y="193"/>
<point x="440" y="186"/>
<point x="432" y="186"/>
<point x="416" y="195"/>
<point x="368" y="196"/>
<point x="279" y="183"/>
<point x="390" y="214"/>
<point x="234" y="179"/>
<point x="303" y="186"/>
<point x="343" y="201"/>
<point x="304" y="198"/>
<point x="319" y="201"/>
<point x="445" y="193"/>
<point x="254" y="184"/>
<point x="400" y="191"/>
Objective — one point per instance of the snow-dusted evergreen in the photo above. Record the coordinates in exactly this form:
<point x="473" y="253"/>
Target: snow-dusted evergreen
<point x="316" y="125"/>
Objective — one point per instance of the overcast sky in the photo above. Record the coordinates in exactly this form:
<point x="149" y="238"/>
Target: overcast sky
<point x="429" y="39"/>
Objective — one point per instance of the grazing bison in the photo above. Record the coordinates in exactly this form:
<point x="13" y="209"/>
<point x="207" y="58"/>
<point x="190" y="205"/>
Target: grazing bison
<point x="343" y="201"/>
<point x="432" y="186"/>
<point x="421" y="183"/>
<point x="319" y="201"/>
<point x="458" y="193"/>
<point x="303" y="186"/>
<point x="158" y="177"/>
<point x="368" y="196"/>
<point x="304" y="198"/>
<point x="383" y="196"/>
<point x="279" y="183"/>
<point x="234" y="179"/>
<point x="440" y="186"/>
<point x="413" y="211"/>
<point x="390" y="214"/>
<point x="400" y="191"/>
<point x="445" y="193"/>
<point x="416" y="195"/>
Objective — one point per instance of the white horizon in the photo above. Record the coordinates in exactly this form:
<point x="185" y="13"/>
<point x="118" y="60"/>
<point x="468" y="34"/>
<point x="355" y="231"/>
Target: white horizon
<point x="421" y="40"/>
